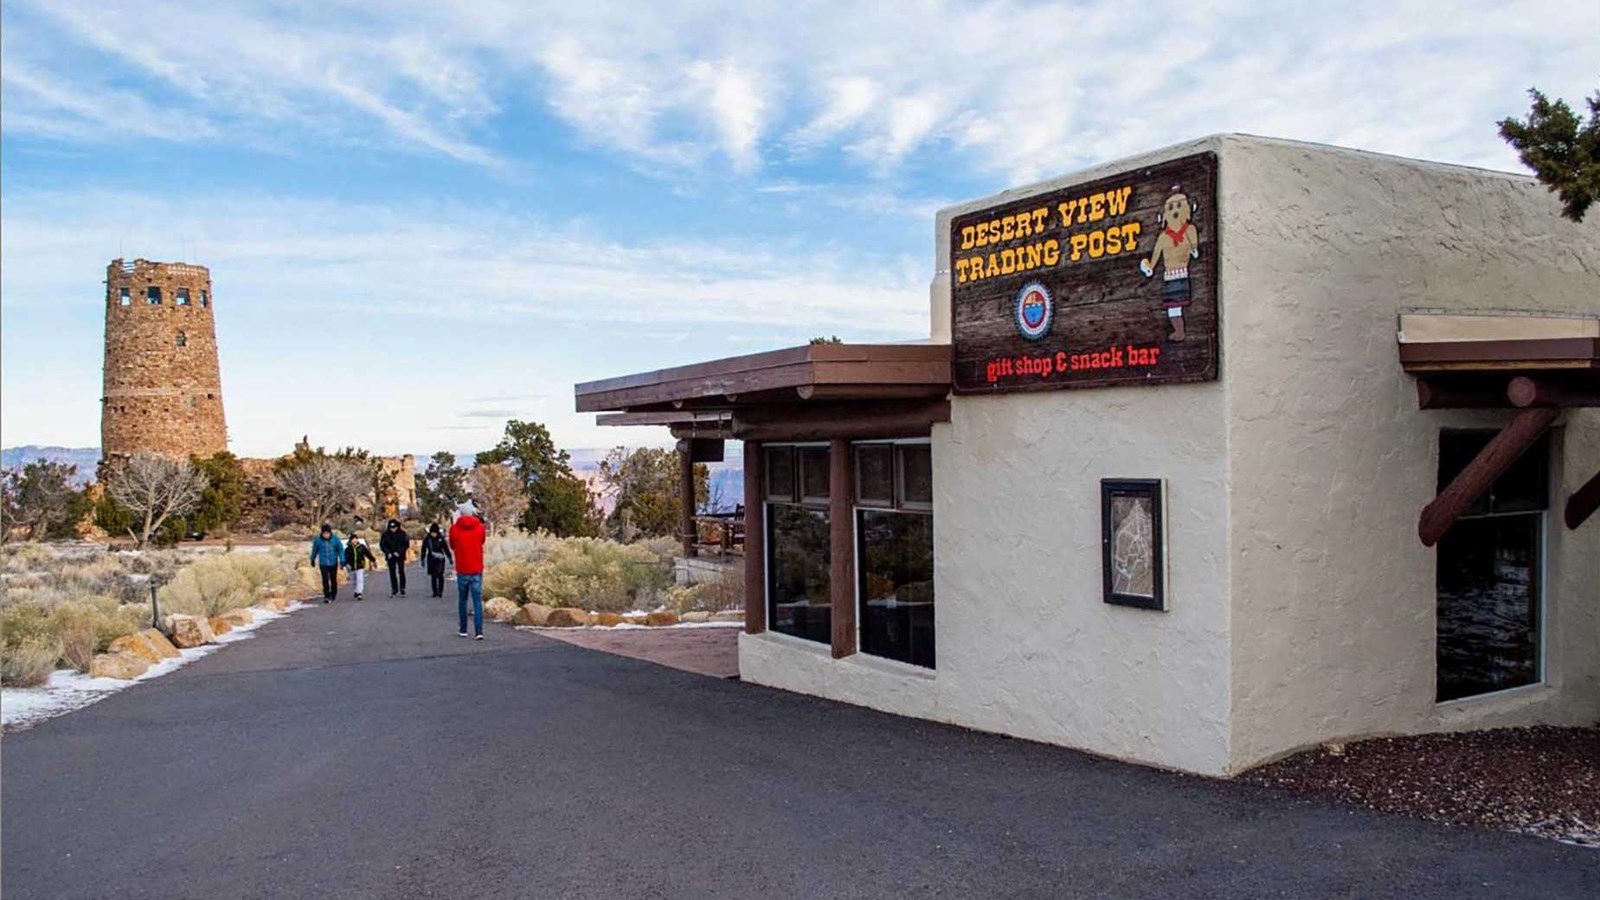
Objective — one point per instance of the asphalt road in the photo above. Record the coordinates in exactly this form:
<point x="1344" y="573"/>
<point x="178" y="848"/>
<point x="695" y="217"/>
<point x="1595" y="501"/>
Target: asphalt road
<point x="366" y="751"/>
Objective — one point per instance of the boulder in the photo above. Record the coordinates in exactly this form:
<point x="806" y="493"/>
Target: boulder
<point x="238" y="617"/>
<point x="135" y="645"/>
<point x="117" y="665"/>
<point x="220" y="626"/>
<point x="728" y="615"/>
<point x="567" y="617"/>
<point x="159" y="643"/>
<point x="191" y="631"/>
<point x="500" y="609"/>
<point x="535" y="614"/>
<point x="656" y="619"/>
<point x="274" y="603"/>
<point x="608" y="619"/>
<point x="695" y="617"/>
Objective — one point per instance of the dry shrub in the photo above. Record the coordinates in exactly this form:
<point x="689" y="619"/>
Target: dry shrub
<point x="513" y="545"/>
<point x="26" y="556"/>
<point x="28" y="663"/>
<point x="218" y="583"/>
<point x="76" y="632"/>
<point x="597" y="574"/>
<point x="508" y="579"/>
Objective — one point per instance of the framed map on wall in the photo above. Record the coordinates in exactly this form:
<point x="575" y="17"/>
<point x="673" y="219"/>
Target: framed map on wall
<point x="1133" y="542"/>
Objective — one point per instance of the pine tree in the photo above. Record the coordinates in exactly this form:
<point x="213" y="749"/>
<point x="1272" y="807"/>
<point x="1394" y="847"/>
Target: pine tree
<point x="1562" y="151"/>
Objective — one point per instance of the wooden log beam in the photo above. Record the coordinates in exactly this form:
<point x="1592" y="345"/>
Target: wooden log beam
<point x="755" y="539"/>
<point x="686" y="527"/>
<point x="842" y="546"/>
<point x="1455" y="394"/>
<point x="1490" y="463"/>
<point x="1524" y="392"/>
<point x="1583" y="502"/>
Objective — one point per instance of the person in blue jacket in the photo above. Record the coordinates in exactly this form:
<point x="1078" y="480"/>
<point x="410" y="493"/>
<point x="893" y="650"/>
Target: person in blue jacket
<point x="327" y="554"/>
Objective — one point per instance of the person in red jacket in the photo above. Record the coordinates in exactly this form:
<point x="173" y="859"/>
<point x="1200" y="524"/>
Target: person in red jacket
<point x="466" y="542"/>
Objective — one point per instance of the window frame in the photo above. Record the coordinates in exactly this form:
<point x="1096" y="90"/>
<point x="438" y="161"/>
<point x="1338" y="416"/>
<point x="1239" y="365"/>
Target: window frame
<point x="180" y="297"/>
<point x="899" y="506"/>
<point x="1154" y="489"/>
<point x="1538" y="567"/>
<point x="152" y="295"/>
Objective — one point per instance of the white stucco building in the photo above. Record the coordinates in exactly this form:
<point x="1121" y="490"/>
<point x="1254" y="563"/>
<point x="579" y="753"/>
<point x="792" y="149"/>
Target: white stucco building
<point x="1343" y="338"/>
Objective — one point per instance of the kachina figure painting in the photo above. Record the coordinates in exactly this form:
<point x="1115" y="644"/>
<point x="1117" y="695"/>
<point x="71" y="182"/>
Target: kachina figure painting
<point x="1176" y="244"/>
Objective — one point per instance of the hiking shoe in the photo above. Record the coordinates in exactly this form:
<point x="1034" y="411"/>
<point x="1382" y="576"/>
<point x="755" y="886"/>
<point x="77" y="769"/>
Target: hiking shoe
<point x="478" y="638"/>
<point x="326" y="600"/>
<point x="463" y="634"/>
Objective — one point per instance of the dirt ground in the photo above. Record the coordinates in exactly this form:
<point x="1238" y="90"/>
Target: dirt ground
<point x="1543" y="781"/>
<point x="704" y="651"/>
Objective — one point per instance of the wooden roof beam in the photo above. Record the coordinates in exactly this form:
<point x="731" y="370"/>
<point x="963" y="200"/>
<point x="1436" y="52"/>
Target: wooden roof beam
<point x="1490" y="463"/>
<point x="1583" y="502"/>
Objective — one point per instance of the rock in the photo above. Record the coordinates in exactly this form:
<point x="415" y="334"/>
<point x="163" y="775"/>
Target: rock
<point x="135" y="645"/>
<point x="191" y="631"/>
<point x="159" y="643"/>
<point x="220" y="626"/>
<point x="661" y="618"/>
<point x="728" y="615"/>
<point x="567" y="617"/>
<point x="500" y="609"/>
<point x="696" y="617"/>
<point x="608" y="619"/>
<point x="531" y="614"/>
<point x="238" y="617"/>
<point x="117" y="665"/>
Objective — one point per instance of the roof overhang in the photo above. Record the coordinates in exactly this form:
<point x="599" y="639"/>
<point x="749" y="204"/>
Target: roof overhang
<point x="1535" y="364"/>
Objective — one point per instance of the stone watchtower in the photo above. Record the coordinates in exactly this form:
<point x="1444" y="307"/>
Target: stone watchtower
<point x="163" y="384"/>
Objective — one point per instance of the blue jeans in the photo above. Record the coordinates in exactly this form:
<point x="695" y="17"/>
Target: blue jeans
<point x="473" y="585"/>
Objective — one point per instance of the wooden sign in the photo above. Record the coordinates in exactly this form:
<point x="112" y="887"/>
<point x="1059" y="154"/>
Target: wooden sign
<point x="1105" y="283"/>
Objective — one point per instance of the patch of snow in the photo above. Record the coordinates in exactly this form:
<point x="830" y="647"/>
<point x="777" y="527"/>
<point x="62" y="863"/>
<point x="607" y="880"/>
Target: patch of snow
<point x="67" y="690"/>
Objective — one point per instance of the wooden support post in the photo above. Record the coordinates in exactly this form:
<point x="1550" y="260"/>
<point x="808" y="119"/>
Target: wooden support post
<point x="1457" y="394"/>
<point x="842" y="546"/>
<point x="686" y="528"/>
<point x="1490" y="463"/>
<point x="755" y="540"/>
<point x="1583" y="502"/>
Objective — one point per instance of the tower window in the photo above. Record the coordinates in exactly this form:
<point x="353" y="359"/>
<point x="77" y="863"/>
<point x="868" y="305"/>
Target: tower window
<point x="183" y="339"/>
<point x="124" y="297"/>
<point x="205" y="298"/>
<point x="152" y="295"/>
<point x="183" y="296"/>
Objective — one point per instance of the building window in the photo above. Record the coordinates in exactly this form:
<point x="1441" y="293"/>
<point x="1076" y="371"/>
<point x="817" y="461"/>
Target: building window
<point x="183" y="297"/>
<point x="152" y="295"/>
<point x="124" y="297"/>
<point x="799" y="589"/>
<point x="183" y="339"/>
<point x="1489" y="624"/>
<point x="205" y="299"/>
<point x="894" y="551"/>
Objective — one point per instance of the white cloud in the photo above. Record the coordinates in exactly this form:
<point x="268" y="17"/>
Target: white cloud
<point x="1016" y="89"/>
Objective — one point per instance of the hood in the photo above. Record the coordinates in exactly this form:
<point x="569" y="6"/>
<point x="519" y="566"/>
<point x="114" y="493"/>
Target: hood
<point x="469" y="523"/>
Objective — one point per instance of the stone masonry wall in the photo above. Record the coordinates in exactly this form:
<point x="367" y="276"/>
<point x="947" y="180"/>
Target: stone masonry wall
<point x="163" y="383"/>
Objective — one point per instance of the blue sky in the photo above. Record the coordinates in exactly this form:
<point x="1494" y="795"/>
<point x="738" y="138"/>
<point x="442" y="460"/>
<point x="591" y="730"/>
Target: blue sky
<point x="424" y="218"/>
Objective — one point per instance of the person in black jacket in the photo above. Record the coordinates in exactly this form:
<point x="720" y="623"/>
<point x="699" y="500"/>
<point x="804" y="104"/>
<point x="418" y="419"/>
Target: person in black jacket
<point x="358" y="559"/>
<point x="435" y="554"/>
<point x="396" y="546"/>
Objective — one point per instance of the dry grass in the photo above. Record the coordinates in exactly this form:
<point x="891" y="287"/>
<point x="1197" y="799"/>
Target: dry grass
<point x="69" y="606"/>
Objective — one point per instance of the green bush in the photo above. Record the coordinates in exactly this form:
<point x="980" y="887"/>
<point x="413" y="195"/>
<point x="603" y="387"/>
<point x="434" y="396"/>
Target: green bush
<point x="597" y="574"/>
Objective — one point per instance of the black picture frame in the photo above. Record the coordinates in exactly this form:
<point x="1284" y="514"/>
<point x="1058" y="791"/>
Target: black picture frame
<point x="1144" y="588"/>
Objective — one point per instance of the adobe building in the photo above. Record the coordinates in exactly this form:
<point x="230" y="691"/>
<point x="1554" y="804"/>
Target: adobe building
<point x="163" y="384"/>
<point x="1213" y="453"/>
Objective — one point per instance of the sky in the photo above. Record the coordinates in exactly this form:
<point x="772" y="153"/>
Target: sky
<point x="425" y="218"/>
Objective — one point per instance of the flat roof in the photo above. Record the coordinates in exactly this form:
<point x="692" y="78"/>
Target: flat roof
<point x="814" y="372"/>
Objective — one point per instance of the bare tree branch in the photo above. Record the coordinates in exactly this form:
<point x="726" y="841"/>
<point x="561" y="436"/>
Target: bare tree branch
<point x="327" y="485"/>
<point x="154" y="489"/>
<point x="497" y="492"/>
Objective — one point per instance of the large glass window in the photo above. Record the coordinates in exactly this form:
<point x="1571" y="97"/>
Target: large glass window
<point x="894" y="551"/>
<point x="1488" y="626"/>
<point x="799" y="589"/>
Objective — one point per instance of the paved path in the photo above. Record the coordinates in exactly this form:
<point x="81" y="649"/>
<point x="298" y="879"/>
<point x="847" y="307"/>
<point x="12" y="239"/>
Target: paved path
<point x="706" y="651"/>
<point x="366" y="751"/>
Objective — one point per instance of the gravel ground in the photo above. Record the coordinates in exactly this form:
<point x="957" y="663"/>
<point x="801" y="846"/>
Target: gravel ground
<point x="1543" y="781"/>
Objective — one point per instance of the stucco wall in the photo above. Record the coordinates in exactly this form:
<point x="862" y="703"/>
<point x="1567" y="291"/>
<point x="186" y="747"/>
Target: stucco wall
<point x="1333" y="594"/>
